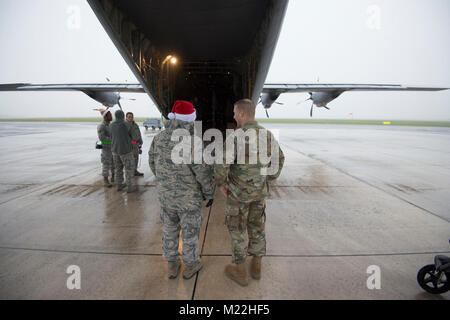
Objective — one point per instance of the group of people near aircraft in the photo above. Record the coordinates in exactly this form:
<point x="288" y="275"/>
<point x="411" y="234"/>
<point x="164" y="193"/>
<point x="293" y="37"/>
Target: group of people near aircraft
<point x="182" y="187"/>
<point x="121" y="143"/>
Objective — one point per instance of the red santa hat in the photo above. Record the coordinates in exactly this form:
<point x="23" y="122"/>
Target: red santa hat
<point x="103" y="112"/>
<point x="183" y="110"/>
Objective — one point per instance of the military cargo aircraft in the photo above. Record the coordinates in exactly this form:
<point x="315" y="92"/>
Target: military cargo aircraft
<point x="209" y="52"/>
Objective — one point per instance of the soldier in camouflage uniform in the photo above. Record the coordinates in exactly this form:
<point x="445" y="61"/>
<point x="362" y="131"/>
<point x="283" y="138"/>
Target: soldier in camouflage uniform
<point x="122" y="150"/>
<point x="104" y="135"/>
<point x="246" y="188"/>
<point x="181" y="189"/>
<point x="137" y="144"/>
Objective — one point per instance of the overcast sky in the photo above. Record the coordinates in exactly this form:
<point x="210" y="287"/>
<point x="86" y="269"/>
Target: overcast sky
<point x="346" y="41"/>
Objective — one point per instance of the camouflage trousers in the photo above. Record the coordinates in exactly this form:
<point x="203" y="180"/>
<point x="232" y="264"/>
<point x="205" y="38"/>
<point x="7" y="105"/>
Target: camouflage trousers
<point x="246" y="224"/>
<point x="107" y="162"/>
<point x="136" y="156"/>
<point x="189" y="222"/>
<point x="126" y="161"/>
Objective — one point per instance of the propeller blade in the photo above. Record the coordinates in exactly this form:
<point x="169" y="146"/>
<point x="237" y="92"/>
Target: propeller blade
<point x="279" y="103"/>
<point x="118" y="102"/>
<point x="303" y="101"/>
<point x="108" y="79"/>
<point x="310" y="112"/>
<point x="267" y="114"/>
<point x="122" y="98"/>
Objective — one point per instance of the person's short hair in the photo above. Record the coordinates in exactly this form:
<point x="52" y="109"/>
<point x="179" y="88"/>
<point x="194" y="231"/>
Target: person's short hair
<point x="129" y="113"/>
<point x="119" y="114"/>
<point x="247" y="106"/>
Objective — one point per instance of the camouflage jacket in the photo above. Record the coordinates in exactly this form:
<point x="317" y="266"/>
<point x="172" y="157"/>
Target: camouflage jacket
<point x="180" y="186"/>
<point x="136" y="134"/>
<point x="248" y="181"/>
<point x="104" y="134"/>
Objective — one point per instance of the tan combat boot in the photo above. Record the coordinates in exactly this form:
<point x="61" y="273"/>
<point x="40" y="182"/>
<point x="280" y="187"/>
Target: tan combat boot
<point x="238" y="273"/>
<point x="174" y="268"/>
<point x="255" y="268"/>
<point x="189" y="272"/>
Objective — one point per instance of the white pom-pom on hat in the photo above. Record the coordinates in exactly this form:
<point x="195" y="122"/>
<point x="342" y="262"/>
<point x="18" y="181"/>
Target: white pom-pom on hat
<point x="183" y="110"/>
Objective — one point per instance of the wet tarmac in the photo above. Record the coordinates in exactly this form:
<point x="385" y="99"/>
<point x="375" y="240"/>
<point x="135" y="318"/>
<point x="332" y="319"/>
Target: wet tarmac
<point x="349" y="197"/>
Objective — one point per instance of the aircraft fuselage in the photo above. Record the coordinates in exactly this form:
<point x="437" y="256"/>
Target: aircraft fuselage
<point x="223" y="49"/>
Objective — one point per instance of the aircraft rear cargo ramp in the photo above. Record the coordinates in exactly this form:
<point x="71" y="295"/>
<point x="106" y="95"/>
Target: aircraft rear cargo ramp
<point x="223" y="49"/>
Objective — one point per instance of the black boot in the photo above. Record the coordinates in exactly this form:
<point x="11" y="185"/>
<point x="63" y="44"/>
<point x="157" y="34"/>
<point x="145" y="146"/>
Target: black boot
<point x="137" y="173"/>
<point x="106" y="182"/>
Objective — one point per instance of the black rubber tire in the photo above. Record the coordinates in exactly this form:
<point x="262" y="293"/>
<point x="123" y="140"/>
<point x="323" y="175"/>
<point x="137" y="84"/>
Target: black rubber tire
<point x="426" y="274"/>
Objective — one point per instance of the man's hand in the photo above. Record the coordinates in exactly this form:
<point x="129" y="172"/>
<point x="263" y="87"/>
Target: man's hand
<point x="210" y="202"/>
<point x="225" y="190"/>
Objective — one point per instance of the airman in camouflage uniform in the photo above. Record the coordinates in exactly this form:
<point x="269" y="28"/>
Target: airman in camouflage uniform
<point x="137" y="144"/>
<point x="122" y="150"/>
<point x="181" y="190"/>
<point x="104" y="135"/>
<point x="246" y="189"/>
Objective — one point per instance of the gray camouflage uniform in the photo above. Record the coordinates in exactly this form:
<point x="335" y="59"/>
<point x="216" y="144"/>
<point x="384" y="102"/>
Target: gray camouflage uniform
<point x="104" y="135"/>
<point x="181" y="189"/>
<point x="136" y="143"/>
<point x="122" y="149"/>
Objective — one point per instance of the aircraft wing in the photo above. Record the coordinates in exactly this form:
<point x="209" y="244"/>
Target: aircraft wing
<point x="283" y="88"/>
<point x="86" y="87"/>
<point x="279" y="88"/>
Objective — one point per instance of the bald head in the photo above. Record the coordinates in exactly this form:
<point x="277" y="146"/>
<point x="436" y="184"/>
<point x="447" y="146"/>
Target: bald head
<point x="244" y="111"/>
